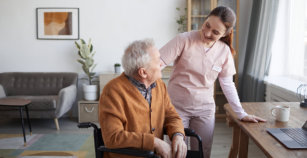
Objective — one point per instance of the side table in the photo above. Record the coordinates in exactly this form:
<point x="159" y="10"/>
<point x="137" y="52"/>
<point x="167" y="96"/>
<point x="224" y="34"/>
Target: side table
<point x="88" y="111"/>
<point x="20" y="103"/>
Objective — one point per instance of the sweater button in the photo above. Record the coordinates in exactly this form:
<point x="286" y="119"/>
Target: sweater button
<point x="153" y="129"/>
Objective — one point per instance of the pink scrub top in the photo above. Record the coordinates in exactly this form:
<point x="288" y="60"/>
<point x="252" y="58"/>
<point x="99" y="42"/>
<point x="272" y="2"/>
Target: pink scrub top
<point x="191" y="85"/>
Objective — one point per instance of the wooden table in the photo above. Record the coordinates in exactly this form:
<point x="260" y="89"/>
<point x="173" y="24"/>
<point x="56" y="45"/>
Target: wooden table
<point x="19" y="103"/>
<point x="242" y="131"/>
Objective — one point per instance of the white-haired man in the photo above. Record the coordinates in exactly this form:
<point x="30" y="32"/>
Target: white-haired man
<point x="134" y="108"/>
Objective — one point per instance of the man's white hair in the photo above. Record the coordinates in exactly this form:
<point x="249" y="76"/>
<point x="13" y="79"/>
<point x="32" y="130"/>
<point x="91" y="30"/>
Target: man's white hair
<point x="137" y="56"/>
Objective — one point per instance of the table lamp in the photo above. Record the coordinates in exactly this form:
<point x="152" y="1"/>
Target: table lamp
<point x="301" y="93"/>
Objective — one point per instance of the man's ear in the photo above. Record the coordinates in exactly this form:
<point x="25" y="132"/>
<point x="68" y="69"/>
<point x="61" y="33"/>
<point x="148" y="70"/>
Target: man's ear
<point x="142" y="73"/>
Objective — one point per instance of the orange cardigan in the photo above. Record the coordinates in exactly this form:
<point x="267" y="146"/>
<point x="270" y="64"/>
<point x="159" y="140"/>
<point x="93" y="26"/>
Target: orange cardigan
<point x="126" y="120"/>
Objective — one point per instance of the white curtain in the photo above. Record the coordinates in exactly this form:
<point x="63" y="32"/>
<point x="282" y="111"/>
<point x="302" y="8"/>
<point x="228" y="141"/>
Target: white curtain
<point x="288" y="44"/>
<point x="258" y="50"/>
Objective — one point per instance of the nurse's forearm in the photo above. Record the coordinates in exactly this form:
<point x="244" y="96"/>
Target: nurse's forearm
<point x="231" y="94"/>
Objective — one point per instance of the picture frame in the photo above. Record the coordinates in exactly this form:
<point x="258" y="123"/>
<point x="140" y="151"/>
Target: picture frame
<point x="57" y="23"/>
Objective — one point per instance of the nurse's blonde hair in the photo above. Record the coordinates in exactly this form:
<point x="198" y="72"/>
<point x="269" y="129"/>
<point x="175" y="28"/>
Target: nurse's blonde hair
<point x="137" y="56"/>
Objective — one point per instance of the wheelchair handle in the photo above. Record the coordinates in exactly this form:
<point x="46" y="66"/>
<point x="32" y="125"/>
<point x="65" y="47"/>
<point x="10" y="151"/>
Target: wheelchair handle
<point x="130" y="151"/>
<point x="87" y="125"/>
<point x="189" y="132"/>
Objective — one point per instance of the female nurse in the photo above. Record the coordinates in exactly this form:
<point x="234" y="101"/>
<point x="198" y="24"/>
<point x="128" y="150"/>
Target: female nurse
<point x="199" y="58"/>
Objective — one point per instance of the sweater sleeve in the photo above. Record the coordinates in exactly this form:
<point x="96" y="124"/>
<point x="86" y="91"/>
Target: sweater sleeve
<point x="173" y="123"/>
<point x="112" y="119"/>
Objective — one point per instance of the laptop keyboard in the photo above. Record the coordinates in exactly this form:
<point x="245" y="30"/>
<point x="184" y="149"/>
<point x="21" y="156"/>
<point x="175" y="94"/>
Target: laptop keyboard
<point x="299" y="135"/>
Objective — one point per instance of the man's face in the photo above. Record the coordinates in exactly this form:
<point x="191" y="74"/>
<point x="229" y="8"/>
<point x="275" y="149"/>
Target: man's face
<point x="153" y="69"/>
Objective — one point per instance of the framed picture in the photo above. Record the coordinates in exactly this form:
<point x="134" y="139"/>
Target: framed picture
<point x="57" y="23"/>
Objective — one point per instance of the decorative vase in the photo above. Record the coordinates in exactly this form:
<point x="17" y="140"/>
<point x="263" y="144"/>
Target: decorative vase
<point x="117" y="69"/>
<point x="90" y="92"/>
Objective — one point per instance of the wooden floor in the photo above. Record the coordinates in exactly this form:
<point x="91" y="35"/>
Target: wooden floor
<point x="220" y="149"/>
<point x="222" y="141"/>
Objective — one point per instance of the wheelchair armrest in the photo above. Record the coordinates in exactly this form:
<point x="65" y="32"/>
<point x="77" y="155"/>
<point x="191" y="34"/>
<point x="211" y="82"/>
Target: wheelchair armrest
<point x="189" y="132"/>
<point x="87" y="125"/>
<point x="129" y="151"/>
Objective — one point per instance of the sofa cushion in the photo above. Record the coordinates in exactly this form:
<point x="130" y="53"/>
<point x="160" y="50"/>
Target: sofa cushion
<point x="37" y="102"/>
<point x="36" y="83"/>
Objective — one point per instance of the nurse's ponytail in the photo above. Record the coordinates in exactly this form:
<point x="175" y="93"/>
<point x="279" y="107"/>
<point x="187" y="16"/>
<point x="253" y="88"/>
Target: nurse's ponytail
<point x="228" y="40"/>
<point x="228" y="17"/>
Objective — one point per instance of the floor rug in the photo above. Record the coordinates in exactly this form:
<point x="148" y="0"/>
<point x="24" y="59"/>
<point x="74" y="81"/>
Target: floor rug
<point x="47" y="146"/>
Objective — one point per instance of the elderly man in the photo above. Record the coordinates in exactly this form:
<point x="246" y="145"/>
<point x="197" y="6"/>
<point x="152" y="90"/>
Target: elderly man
<point x="135" y="107"/>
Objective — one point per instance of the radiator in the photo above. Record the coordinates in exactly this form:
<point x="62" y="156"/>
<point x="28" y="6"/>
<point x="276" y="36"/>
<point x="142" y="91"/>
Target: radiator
<point x="281" y="89"/>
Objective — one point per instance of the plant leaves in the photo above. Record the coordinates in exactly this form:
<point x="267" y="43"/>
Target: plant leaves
<point x="92" y="74"/>
<point x="82" y="41"/>
<point x="79" y="54"/>
<point x="91" y="49"/>
<point x="92" y="55"/>
<point x="77" y="45"/>
<point x="86" y="57"/>
<point x="93" y="67"/>
<point x="85" y="69"/>
<point x="89" y="62"/>
<point x="81" y="61"/>
<point x="89" y="43"/>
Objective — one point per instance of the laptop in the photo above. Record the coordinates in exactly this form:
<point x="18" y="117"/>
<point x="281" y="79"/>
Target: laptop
<point x="292" y="138"/>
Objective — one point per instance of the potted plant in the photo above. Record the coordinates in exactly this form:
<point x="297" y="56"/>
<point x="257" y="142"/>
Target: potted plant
<point x="117" y="67"/>
<point x="182" y="21"/>
<point x="86" y="55"/>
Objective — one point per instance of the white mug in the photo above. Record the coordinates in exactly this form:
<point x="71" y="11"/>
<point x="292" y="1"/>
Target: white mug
<point x="281" y="113"/>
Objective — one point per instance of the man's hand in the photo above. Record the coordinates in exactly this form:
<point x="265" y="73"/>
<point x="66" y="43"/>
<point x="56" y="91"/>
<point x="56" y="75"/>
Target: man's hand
<point x="162" y="148"/>
<point x="179" y="147"/>
<point x="253" y="118"/>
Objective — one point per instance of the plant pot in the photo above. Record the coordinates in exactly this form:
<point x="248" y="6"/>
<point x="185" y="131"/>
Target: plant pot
<point x="90" y="92"/>
<point x="117" y="69"/>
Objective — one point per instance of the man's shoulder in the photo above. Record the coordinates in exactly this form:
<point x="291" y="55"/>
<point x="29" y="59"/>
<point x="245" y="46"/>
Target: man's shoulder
<point x="161" y="85"/>
<point x="116" y="83"/>
<point x="160" y="82"/>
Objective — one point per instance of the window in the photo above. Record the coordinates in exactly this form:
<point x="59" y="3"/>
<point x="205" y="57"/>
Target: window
<point x="289" y="49"/>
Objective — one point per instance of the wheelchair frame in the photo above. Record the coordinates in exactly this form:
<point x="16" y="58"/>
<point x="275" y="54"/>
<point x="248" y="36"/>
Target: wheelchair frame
<point x="100" y="148"/>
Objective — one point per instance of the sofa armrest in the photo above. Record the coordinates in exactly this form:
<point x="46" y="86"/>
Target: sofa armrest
<point x="67" y="97"/>
<point x="2" y="92"/>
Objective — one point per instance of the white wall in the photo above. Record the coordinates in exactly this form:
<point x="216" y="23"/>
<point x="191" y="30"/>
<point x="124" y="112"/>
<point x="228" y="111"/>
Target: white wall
<point x="112" y="25"/>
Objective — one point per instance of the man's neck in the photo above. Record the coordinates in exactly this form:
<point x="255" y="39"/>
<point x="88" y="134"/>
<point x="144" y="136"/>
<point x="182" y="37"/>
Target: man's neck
<point x="142" y="80"/>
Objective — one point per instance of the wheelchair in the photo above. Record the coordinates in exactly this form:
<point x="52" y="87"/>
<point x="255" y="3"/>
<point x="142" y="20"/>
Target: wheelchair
<point x="100" y="148"/>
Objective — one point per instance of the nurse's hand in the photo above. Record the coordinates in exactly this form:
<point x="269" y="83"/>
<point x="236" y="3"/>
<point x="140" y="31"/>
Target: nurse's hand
<point x="253" y="118"/>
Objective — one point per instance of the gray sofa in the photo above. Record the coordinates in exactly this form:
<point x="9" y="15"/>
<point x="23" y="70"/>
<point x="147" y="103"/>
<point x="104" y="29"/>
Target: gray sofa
<point x="52" y="94"/>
